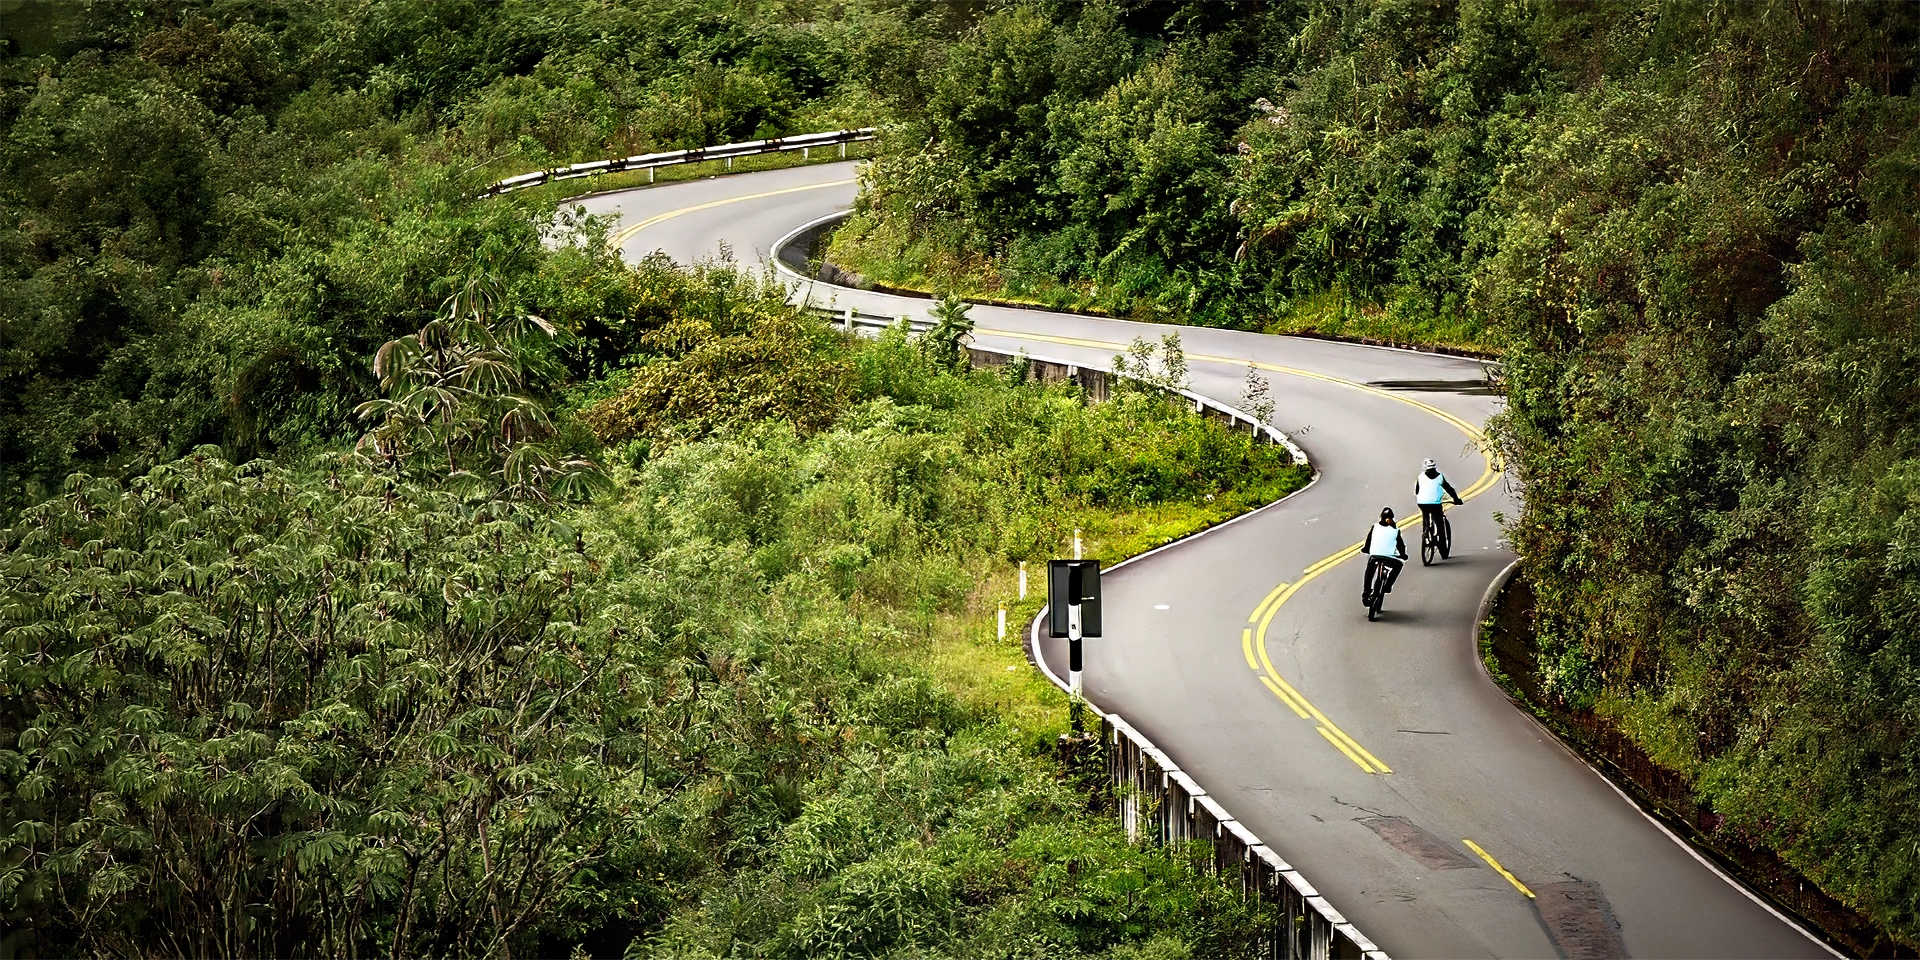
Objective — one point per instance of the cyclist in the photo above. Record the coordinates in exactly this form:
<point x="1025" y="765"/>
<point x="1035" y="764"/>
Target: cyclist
<point x="1383" y="545"/>
<point x="1431" y="490"/>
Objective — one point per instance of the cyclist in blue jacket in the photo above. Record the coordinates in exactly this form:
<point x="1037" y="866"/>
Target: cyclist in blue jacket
<point x="1383" y="545"/>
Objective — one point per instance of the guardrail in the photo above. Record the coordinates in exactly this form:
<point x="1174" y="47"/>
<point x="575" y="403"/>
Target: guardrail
<point x="1158" y="801"/>
<point x="1095" y="382"/>
<point x="806" y="143"/>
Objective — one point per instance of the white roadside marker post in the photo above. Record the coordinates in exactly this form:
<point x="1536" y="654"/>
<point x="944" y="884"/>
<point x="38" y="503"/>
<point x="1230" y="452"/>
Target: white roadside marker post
<point x="1003" y="621"/>
<point x="1023" y="579"/>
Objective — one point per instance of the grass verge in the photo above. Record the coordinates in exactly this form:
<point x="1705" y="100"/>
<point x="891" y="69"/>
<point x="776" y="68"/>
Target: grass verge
<point x="1400" y="322"/>
<point x="925" y="264"/>
<point x="991" y="674"/>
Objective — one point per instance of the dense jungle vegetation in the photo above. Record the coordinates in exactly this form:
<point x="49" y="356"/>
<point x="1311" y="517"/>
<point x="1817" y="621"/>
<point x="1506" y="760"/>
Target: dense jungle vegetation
<point x="1689" y="229"/>
<point x="409" y="702"/>
<point x="385" y="571"/>
<point x="216" y="212"/>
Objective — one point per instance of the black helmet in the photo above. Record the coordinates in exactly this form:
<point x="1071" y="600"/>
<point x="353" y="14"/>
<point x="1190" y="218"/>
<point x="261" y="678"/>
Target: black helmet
<point x="1386" y="514"/>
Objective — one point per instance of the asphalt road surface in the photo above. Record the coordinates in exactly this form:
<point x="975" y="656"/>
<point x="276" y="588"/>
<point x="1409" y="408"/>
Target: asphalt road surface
<point x="1377" y="758"/>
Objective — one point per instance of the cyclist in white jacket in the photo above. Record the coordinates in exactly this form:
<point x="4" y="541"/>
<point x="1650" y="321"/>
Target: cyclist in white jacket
<point x="1383" y="545"/>
<point x="1431" y="491"/>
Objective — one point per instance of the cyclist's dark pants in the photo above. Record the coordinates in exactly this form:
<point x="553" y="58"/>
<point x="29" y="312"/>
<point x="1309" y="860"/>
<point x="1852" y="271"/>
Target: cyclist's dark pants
<point x="1393" y="571"/>
<point x="1430" y="514"/>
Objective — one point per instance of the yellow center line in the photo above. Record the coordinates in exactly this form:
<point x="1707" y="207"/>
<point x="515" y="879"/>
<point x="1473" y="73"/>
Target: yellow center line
<point x="1491" y="862"/>
<point x="1341" y="745"/>
<point x="620" y="237"/>
<point x="1300" y="704"/>
<point x="1246" y="647"/>
<point x="1292" y="703"/>
<point x="1316" y="568"/>
<point x="1271" y="594"/>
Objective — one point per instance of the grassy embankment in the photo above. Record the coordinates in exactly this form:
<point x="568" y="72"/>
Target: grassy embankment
<point x="919" y="261"/>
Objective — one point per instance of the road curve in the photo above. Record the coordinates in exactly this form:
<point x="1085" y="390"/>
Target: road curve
<point x="1377" y="758"/>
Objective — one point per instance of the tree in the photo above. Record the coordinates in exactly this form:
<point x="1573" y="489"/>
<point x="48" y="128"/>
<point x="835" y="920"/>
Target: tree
<point x="1138" y="365"/>
<point x="946" y="342"/>
<point x="254" y="714"/>
<point x="456" y="404"/>
<point x="1256" y="395"/>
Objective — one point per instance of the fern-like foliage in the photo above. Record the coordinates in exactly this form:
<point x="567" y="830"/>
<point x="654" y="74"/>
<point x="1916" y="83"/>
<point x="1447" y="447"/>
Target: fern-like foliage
<point x="457" y="404"/>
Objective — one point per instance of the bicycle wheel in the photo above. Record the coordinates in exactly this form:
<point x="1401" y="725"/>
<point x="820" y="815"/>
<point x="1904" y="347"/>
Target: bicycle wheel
<point x="1428" y="546"/>
<point x="1446" y="537"/>
<point x="1377" y="591"/>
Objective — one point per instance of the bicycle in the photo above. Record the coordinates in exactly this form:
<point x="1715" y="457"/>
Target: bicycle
<point x="1435" y="538"/>
<point x="1374" y="591"/>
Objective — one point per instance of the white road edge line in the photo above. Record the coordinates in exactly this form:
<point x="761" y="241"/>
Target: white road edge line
<point x="1486" y="605"/>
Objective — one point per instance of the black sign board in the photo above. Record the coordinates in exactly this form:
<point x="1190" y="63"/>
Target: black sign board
<point x="1069" y="581"/>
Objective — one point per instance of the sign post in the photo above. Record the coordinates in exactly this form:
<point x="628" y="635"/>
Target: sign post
<point x="1073" y="612"/>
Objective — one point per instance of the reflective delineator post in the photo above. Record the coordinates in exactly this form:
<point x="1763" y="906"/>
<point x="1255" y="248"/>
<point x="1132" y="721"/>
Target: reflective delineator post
<point x="1076" y="544"/>
<point x="1023" y="579"/>
<point x="1003" y="621"/>
<point x="1073" y="652"/>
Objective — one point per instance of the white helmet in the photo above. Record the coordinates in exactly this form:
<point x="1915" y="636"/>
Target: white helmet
<point x="1429" y="465"/>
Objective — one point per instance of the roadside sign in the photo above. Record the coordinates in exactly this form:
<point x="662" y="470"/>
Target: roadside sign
<point x="1073" y="583"/>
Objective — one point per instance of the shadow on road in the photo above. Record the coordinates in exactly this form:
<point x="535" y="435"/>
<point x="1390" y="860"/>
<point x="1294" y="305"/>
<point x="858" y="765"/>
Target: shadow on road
<point x="1476" y="388"/>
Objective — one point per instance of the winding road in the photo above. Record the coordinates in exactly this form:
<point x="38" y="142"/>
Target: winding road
<point x="1377" y="758"/>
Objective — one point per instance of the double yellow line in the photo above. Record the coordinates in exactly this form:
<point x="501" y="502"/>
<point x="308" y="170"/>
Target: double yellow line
<point x="1253" y="638"/>
<point x="1299" y="704"/>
